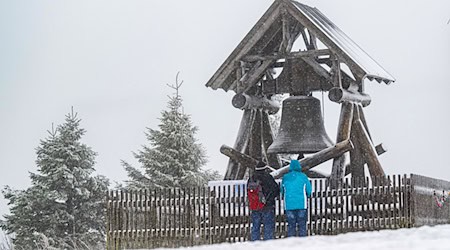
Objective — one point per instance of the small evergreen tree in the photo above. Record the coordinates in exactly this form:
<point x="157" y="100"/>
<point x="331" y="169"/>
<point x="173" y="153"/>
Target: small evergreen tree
<point x="174" y="158"/>
<point x="65" y="203"/>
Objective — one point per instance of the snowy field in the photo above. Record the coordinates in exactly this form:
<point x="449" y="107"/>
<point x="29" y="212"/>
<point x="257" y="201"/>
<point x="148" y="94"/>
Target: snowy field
<point x="423" y="238"/>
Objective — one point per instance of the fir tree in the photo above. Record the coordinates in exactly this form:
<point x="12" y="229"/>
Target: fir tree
<point x="65" y="203"/>
<point x="174" y="158"/>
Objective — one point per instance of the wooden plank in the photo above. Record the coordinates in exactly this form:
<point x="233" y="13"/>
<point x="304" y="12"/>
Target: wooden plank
<point x="366" y="218"/>
<point x="146" y="217"/>
<point x="127" y="218"/>
<point x="234" y="222"/>
<point x="219" y="213"/>
<point x="205" y="217"/>
<point x="401" y="198"/>
<point x="160" y="221"/>
<point x="132" y="218"/>
<point x="389" y="202"/>
<point x="213" y="214"/>
<point x="395" y="198"/>
<point x="229" y="215"/>
<point x="347" y="205"/>
<point x="314" y="208"/>
<point x="357" y="203"/>
<point x="321" y="208"/>
<point x="341" y="206"/>
<point x="371" y="207"/>
<point x="173" y="217"/>
<point x="331" y="207"/>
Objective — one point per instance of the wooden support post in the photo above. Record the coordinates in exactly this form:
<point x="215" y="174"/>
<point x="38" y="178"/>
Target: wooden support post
<point x="255" y="143"/>
<point x="380" y="149"/>
<point x="370" y="154"/>
<point x="356" y="155"/>
<point x="267" y="140"/>
<point x="241" y="142"/>
<point x="344" y="128"/>
<point x="318" y="158"/>
<point x="363" y="120"/>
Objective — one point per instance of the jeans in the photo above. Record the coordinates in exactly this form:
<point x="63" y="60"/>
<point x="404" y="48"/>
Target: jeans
<point x="267" y="218"/>
<point x="296" y="218"/>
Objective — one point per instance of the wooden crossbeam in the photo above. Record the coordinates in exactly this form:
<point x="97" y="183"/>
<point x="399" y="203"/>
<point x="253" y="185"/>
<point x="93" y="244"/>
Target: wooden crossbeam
<point x="291" y="55"/>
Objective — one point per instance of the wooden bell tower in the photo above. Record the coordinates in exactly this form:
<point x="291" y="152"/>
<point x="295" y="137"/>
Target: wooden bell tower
<point x="321" y="65"/>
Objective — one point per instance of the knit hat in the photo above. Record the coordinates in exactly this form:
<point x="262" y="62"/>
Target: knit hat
<point x="260" y="166"/>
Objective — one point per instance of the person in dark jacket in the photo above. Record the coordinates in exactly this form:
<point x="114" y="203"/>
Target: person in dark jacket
<point x="266" y="216"/>
<point x="296" y="189"/>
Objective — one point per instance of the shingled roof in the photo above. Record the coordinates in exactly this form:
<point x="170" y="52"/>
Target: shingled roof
<point x="266" y="36"/>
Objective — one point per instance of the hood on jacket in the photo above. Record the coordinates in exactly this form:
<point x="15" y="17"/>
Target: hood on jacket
<point x="295" y="166"/>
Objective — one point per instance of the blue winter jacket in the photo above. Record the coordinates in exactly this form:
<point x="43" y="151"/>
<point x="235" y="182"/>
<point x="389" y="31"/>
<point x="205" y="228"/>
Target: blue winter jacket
<point x="295" y="187"/>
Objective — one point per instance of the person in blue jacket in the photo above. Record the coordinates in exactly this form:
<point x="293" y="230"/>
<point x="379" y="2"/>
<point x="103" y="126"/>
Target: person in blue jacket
<point x="296" y="188"/>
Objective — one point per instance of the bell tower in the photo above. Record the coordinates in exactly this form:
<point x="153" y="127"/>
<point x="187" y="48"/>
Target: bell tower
<point x="319" y="66"/>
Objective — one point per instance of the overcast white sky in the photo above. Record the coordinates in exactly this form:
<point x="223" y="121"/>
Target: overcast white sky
<point x="111" y="60"/>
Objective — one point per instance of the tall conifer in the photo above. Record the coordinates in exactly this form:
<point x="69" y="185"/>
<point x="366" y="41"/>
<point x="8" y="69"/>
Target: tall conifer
<point x="65" y="203"/>
<point x="173" y="158"/>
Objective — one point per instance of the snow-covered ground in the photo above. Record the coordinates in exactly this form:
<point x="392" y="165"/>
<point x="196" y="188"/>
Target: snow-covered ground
<point x="423" y="238"/>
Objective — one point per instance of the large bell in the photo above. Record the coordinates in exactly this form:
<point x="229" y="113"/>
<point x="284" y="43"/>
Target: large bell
<point x="301" y="127"/>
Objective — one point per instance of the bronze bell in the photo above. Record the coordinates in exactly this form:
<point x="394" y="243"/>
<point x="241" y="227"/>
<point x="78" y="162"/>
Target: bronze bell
<point x="301" y="127"/>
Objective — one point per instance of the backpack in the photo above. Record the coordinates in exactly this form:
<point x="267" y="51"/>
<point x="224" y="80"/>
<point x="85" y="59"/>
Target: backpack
<point x="255" y="195"/>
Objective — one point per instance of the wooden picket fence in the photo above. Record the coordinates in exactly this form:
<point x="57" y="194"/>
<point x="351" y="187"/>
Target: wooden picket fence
<point x="195" y="216"/>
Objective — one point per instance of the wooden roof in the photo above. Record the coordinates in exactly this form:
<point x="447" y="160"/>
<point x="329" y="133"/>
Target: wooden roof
<point x="266" y="38"/>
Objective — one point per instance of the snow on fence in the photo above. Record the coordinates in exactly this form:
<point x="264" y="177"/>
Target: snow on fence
<point x="219" y="213"/>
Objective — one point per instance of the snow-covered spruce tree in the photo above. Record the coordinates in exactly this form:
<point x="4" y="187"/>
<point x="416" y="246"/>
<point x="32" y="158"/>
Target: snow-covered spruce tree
<point x="174" y="158"/>
<point x="65" y="203"/>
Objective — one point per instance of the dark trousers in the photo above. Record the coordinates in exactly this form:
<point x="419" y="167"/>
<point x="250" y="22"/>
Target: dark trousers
<point x="296" y="218"/>
<point x="265" y="217"/>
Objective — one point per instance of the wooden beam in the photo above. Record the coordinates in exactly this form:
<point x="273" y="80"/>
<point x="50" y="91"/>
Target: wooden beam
<point x="312" y="41"/>
<point x="317" y="68"/>
<point x="254" y="75"/>
<point x="291" y="55"/>
<point x="244" y="101"/>
<point x="340" y="95"/>
<point x="336" y="71"/>
<point x="318" y="158"/>
<point x="244" y="160"/>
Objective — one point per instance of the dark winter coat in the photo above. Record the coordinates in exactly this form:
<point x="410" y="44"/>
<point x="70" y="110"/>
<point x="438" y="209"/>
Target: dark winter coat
<point x="296" y="187"/>
<point x="270" y="188"/>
